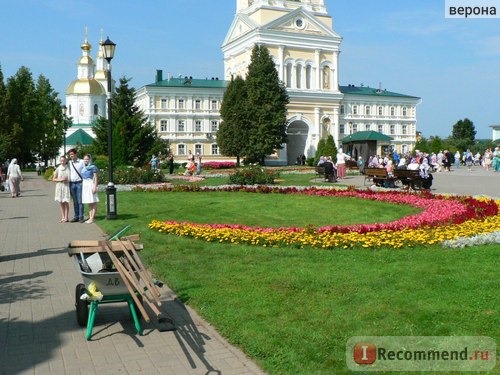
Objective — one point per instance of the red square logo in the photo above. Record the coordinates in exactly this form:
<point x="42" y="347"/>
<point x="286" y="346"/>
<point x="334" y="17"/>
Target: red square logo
<point x="365" y="353"/>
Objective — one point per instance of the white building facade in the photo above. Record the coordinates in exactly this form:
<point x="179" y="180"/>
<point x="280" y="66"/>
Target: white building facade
<point x="300" y="37"/>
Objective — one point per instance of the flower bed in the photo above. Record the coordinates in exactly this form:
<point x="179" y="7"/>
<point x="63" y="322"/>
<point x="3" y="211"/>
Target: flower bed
<point x="442" y="219"/>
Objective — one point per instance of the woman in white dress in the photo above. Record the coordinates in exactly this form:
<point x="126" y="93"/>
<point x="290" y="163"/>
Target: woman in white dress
<point x="61" y="177"/>
<point x="89" y="187"/>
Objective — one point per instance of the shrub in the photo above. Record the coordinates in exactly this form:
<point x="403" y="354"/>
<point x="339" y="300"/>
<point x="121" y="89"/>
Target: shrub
<point x="219" y="165"/>
<point x="252" y="176"/>
<point x="131" y="175"/>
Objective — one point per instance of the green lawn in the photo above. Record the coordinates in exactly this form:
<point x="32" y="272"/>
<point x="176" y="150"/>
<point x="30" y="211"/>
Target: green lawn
<point x="292" y="310"/>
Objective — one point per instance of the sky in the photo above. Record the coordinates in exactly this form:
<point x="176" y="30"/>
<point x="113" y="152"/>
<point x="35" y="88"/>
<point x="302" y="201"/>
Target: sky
<point x="407" y="47"/>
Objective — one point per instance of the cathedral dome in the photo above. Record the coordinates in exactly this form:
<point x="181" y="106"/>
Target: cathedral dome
<point x="85" y="86"/>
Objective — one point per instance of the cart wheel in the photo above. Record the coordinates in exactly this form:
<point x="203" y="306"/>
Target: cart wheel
<point x="82" y="307"/>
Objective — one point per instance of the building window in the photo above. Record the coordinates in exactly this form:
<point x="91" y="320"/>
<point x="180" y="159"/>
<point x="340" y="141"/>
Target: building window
<point x="163" y="125"/>
<point x="354" y="128"/>
<point x="214" y="126"/>
<point x="96" y="109"/>
<point x="181" y="150"/>
<point x="367" y="110"/>
<point x="289" y="75"/>
<point x="380" y="110"/>
<point x="308" y="76"/>
<point x="69" y="110"/>
<point x="164" y="104"/>
<point x="197" y="104"/>
<point x="393" y="129"/>
<point x="381" y="128"/>
<point x="354" y="109"/>
<point x="393" y="111"/>
<point x="342" y="129"/>
<point x="181" y="126"/>
<point x="197" y="126"/>
<point x="215" y="149"/>
<point x="404" y="130"/>
<point x="342" y="109"/>
<point x="214" y="105"/>
<point x="198" y="149"/>
<point x="180" y="104"/>
<point x="405" y="111"/>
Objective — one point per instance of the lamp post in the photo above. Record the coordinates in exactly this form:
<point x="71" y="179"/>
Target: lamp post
<point x="64" y="109"/>
<point x="109" y="52"/>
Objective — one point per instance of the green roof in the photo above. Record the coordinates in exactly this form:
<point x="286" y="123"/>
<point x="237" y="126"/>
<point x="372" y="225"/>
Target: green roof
<point x="80" y="136"/>
<point x="191" y="82"/>
<point x="362" y="90"/>
<point x="368" y="135"/>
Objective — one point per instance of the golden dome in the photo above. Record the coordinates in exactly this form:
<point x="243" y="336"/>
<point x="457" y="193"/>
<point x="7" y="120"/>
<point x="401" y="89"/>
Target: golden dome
<point x="85" y="86"/>
<point x="86" y="60"/>
<point x="100" y="75"/>
<point x="86" y="46"/>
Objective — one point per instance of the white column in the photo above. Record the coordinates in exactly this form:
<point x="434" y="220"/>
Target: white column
<point x="318" y="70"/>
<point x="335" y="125"/>
<point x="281" y="71"/>
<point x="335" y="74"/>
<point x="317" y="121"/>
<point x="294" y="76"/>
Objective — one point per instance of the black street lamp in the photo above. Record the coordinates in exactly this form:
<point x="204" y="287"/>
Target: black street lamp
<point x="109" y="51"/>
<point x="64" y="109"/>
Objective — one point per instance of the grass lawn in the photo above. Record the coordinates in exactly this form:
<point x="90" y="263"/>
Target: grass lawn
<point x="292" y="310"/>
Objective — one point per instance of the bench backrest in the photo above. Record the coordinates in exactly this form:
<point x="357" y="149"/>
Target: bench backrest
<point x="376" y="172"/>
<point x="406" y="173"/>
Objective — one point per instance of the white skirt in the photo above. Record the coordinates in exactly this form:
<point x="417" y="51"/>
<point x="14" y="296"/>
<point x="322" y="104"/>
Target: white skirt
<point x="87" y="195"/>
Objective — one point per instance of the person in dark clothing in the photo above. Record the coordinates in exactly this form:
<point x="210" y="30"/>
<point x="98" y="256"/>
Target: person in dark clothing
<point x="330" y="170"/>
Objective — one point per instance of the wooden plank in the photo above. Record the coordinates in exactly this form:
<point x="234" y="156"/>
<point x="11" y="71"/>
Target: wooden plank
<point x="134" y="250"/>
<point x="126" y="280"/>
<point x="142" y="273"/>
<point x="115" y="246"/>
<point x="145" y="297"/>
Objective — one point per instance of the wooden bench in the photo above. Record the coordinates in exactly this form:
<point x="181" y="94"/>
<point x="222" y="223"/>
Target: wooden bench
<point x="408" y="178"/>
<point x="320" y="172"/>
<point x="377" y="175"/>
<point x="351" y="165"/>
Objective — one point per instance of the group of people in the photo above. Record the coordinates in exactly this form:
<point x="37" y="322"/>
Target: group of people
<point x="76" y="179"/>
<point x="155" y="163"/>
<point x="334" y="171"/>
<point x="418" y="161"/>
<point x="193" y="164"/>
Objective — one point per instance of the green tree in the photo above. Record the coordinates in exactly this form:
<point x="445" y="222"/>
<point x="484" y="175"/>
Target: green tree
<point x="267" y="107"/>
<point x="463" y="134"/>
<point x="133" y="136"/>
<point x="436" y="144"/>
<point x="330" y="149"/>
<point x="233" y="133"/>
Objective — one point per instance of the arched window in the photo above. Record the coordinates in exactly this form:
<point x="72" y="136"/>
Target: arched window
<point x="308" y="76"/>
<point x="288" y="75"/>
<point x="298" y="76"/>
<point x="96" y="109"/>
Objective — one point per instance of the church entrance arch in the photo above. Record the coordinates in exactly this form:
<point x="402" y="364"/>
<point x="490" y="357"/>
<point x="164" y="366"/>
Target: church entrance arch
<point x="297" y="133"/>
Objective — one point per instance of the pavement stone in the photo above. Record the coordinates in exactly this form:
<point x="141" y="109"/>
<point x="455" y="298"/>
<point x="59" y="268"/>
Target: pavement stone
<point x="39" y="333"/>
<point x="38" y="329"/>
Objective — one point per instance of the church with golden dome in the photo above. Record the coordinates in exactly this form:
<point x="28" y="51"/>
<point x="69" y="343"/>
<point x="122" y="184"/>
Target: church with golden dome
<point x="86" y="96"/>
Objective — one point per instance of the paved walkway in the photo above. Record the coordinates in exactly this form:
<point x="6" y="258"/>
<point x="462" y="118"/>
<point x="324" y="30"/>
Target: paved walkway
<point x="38" y="329"/>
<point x="39" y="333"/>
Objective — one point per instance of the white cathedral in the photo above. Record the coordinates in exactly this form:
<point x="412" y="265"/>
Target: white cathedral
<point x="300" y="37"/>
